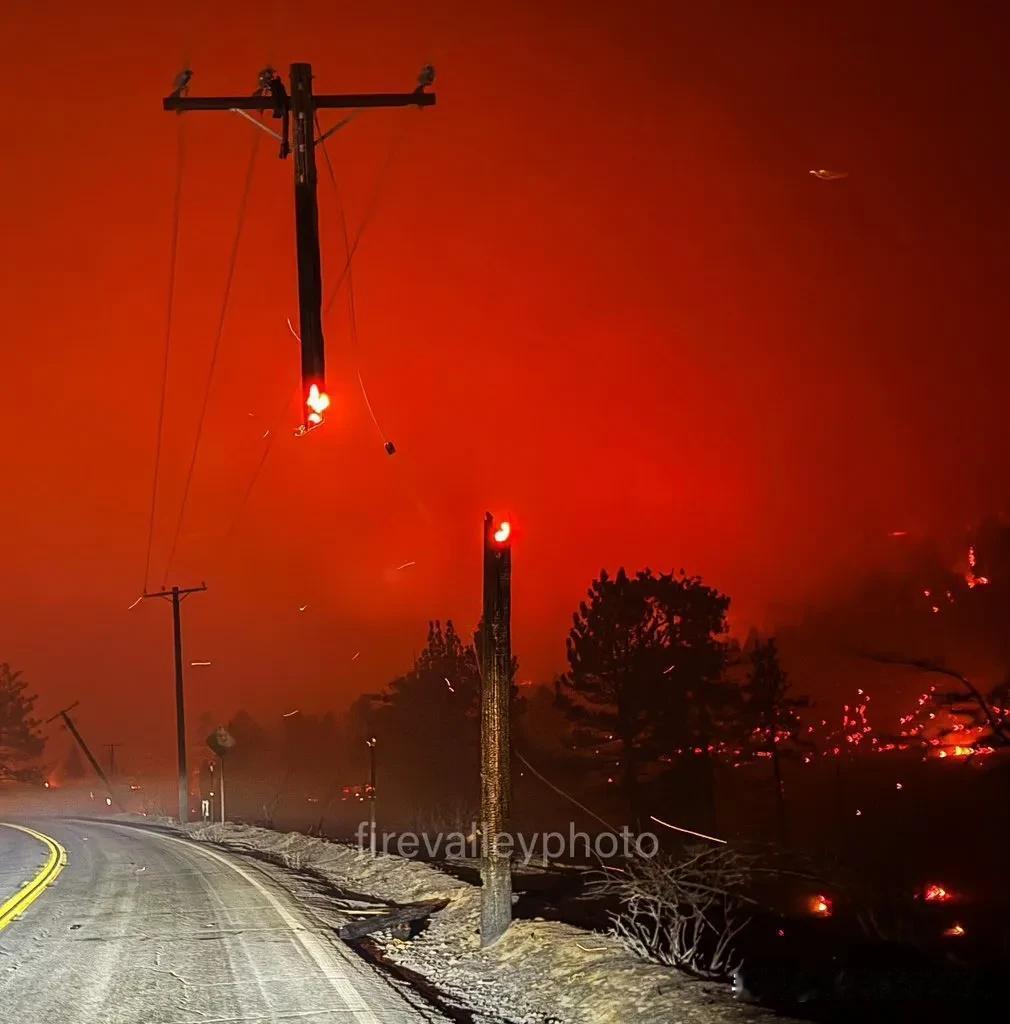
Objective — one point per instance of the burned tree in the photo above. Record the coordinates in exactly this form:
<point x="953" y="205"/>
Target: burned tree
<point x="770" y="719"/>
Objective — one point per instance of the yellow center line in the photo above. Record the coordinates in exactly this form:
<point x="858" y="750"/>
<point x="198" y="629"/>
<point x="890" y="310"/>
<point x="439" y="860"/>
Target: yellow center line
<point x="31" y="891"/>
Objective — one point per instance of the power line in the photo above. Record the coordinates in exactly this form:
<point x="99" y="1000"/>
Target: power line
<point x="172" y="274"/>
<point x="380" y="182"/>
<point x="270" y="435"/>
<point x="351" y="307"/>
<point x="243" y="203"/>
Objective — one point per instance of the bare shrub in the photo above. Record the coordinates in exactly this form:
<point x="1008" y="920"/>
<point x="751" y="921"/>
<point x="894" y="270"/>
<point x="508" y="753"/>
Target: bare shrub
<point x="685" y="912"/>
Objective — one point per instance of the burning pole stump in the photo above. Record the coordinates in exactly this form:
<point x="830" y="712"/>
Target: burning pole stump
<point x="495" y="778"/>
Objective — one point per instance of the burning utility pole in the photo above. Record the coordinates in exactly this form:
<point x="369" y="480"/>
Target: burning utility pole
<point x="176" y="595"/>
<point x="298" y="104"/>
<point x="495" y="777"/>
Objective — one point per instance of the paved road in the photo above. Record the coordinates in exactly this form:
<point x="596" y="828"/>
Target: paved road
<point x="143" y="928"/>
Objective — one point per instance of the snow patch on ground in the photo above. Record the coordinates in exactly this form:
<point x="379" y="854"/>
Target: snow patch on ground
<point x="539" y="972"/>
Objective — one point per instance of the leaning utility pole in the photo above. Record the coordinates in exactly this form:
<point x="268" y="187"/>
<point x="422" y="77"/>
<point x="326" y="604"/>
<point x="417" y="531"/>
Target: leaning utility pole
<point x="176" y="595"/>
<point x="301" y="105"/>
<point x="69" y="723"/>
<point x="495" y="777"/>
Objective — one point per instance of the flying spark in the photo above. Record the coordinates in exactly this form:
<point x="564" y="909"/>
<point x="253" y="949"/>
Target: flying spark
<point x="406" y="565"/>
<point x="687" y="831"/>
<point x="823" y="174"/>
<point x="199" y="664"/>
<point x="290" y="713"/>
<point x="135" y="603"/>
<point x="356" y="655"/>
<point x="302" y="607"/>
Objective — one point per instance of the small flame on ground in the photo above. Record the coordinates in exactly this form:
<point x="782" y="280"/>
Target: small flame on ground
<point x="821" y="906"/>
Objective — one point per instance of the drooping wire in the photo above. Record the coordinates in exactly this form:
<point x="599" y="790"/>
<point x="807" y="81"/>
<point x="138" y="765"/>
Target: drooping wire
<point x="380" y="182"/>
<point x="232" y="262"/>
<point x="172" y="274"/>
<point x="257" y="472"/>
<point x="351" y="308"/>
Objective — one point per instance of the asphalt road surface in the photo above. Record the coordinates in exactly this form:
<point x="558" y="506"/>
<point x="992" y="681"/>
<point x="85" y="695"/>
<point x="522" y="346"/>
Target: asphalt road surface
<point x="144" y="928"/>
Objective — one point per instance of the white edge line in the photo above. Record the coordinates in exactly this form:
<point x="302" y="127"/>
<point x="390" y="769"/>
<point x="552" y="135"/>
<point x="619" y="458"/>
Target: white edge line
<point x="308" y="940"/>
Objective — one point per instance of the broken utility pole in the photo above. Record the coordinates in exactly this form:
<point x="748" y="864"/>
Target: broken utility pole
<point x="301" y="104"/>
<point x="69" y="723"/>
<point x="176" y="595"/>
<point x="495" y="773"/>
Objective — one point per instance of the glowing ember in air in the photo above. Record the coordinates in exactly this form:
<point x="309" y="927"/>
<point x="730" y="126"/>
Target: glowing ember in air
<point x="934" y="893"/>
<point x="955" y="931"/>
<point x="821" y="906"/>
<point x="317" y="402"/>
<point x="502" y="533"/>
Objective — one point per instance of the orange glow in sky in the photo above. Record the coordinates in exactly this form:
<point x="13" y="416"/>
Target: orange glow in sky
<point x="597" y="284"/>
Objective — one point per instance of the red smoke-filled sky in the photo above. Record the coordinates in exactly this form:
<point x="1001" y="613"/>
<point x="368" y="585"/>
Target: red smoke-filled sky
<point x="599" y="290"/>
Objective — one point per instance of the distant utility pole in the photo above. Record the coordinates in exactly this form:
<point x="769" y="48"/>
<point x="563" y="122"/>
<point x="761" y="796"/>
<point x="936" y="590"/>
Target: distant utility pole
<point x="112" y="758"/>
<point x="495" y="777"/>
<point x="301" y="104"/>
<point x="176" y="595"/>
<point x="371" y="795"/>
<point x="69" y="723"/>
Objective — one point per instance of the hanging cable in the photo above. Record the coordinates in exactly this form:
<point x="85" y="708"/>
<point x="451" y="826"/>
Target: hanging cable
<point x="243" y="204"/>
<point x="269" y="437"/>
<point x="380" y="183"/>
<point x="561" y="792"/>
<point x="170" y="306"/>
<point x="387" y="444"/>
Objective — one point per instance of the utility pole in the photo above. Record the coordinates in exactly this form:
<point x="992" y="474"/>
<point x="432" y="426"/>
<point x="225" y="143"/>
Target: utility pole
<point x="112" y="758"/>
<point x="371" y="795"/>
<point x="301" y="104"/>
<point x="69" y="723"/>
<point x="177" y="595"/>
<point x="221" y="762"/>
<point x="495" y="774"/>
